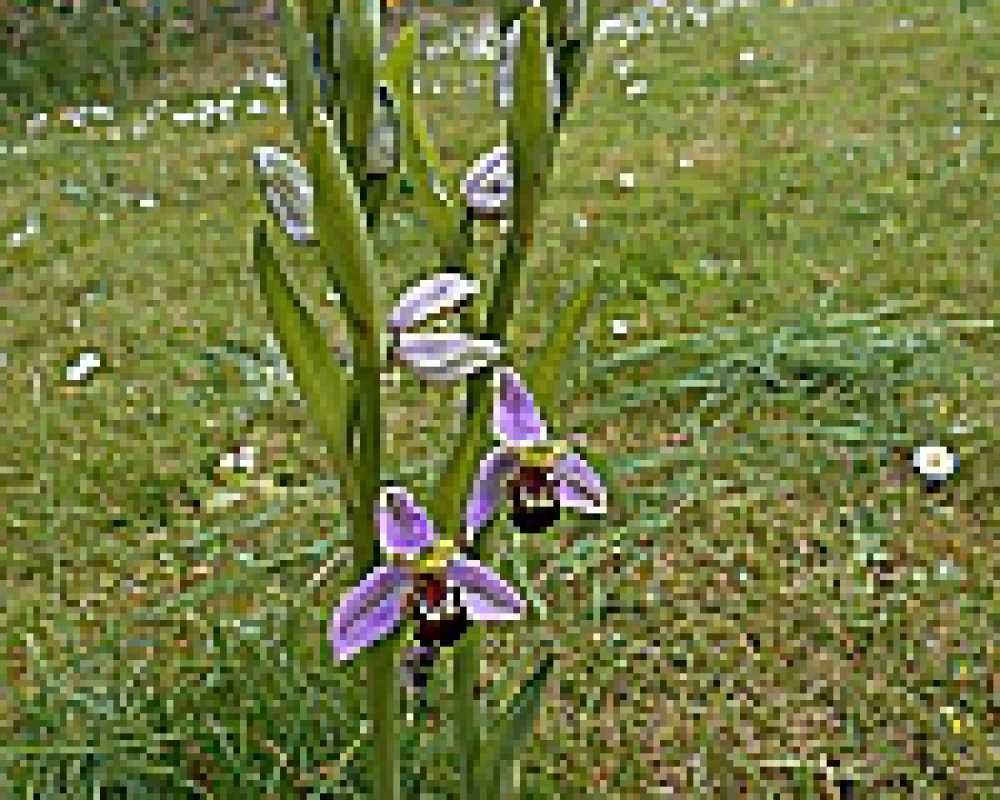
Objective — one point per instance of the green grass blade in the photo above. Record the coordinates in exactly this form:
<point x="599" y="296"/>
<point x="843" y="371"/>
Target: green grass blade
<point x="300" y="88"/>
<point x="419" y="156"/>
<point x="344" y="244"/>
<point x="512" y="728"/>
<point x="322" y="381"/>
<point x="548" y="372"/>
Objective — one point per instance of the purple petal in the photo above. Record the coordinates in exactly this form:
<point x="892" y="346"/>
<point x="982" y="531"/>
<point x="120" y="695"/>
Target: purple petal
<point x="580" y="487"/>
<point x="403" y="525"/>
<point x="515" y="418"/>
<point x="485" y="595"/>
<point x="429" y="297"/>
<point x="488" y="489"/>
<point x="369" y="611"/>
<point x="489" y="183"/>
<point x="445" y="356"/>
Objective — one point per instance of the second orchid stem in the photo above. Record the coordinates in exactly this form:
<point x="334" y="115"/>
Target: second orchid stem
<point x="381" y="677"/>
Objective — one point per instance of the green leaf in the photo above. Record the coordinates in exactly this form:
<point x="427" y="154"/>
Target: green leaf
<point x="340" y="225"/>
<point x="548" y="372"/>
<point x="512" y="728"/>
<point x="447" y="503"/>
<point x="530" y="123"/>
<point x="359" y="49"/>
<point x="300" y="88"/>
<point x="419" y="157"/>
<point x="321" y="379"/>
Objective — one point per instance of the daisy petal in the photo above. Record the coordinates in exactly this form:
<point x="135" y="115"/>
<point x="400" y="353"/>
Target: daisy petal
<point x="403" y="525"/>
<point x="431" y="296"/>
<point x="515" y="418"/>
<point x="488" y="489"/>
<point x="369" y="611"/>
<point x="580" y="487"/>
<point x="445" y="356"/>
<point x="485" y="595"/>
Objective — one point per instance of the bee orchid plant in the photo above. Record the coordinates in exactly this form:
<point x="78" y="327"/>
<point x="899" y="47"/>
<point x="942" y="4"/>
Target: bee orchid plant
<point x="356" y="121"/>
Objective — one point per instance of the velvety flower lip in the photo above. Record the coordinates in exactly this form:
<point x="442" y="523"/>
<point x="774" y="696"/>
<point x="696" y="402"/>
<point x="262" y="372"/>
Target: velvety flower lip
<point x="432" y="355"/>
<point x="546" y="471"/>
<point x="376" y="606"/>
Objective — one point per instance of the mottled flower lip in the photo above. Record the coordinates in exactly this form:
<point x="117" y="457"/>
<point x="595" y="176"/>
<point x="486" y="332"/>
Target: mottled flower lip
<point x="377" y="605"/>
<point x="523" y="440"/>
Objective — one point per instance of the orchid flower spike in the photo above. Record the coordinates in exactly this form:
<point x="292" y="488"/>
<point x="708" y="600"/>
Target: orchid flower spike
<point x="438" y="356"/>
<point x="541" y="476"/>
<point x="489" y="184"/>
<point x="426" y="579"/>
<point x="284" y="180"/>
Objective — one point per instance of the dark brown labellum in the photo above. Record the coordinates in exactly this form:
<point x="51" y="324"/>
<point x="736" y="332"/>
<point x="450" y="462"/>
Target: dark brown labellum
<point x="535" y="505"/>
<point x="441" y="619"/>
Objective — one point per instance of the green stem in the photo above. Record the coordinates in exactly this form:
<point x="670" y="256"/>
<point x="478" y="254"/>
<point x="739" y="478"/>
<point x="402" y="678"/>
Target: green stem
<point x="382" y="678"/>
<point x="465" y="676"/>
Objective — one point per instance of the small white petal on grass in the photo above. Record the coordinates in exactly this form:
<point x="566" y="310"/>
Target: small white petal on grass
<point x="83" y="367"/>
<point x="257" y="108"/>
<point x="626" y="180"/>
<point x="934" y="462"/>
<point x="686" y="163"/>
<point x="273" y="80"/>
<point x="637" y="89"/>
<point x="619" y="327"/>
<point x="747" y="56"/>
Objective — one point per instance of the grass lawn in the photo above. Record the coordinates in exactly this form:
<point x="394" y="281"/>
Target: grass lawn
<point x="799" y="287"/>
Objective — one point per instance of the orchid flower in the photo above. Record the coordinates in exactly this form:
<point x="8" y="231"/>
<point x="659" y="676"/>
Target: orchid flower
<point x="541" y="476"/>
<point x="489" y="184"/>
<point x="426" y="578"/>
<point x="287" y="192"/>
<point x="435" y="355"/>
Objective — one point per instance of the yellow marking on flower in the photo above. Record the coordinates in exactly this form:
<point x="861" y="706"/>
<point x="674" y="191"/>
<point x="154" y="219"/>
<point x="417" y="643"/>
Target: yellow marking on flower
<point x="540" y="454"/>
<point x="956" y="725"/>
<point x="443" y="551"/>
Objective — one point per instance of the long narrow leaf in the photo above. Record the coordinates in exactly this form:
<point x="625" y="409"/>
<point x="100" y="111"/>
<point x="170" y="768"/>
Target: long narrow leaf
<point x="300" y="89"/>
<point x="420" y="159"/>
<point x="359" y="49"/>
<point x="512" y="728"/>
<point x="530" y="122"/>
<point x="321" y="379"/>
<point x="344" y="244"/>
<point x="548" y="373"/>
<point x="530" y="133"/>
